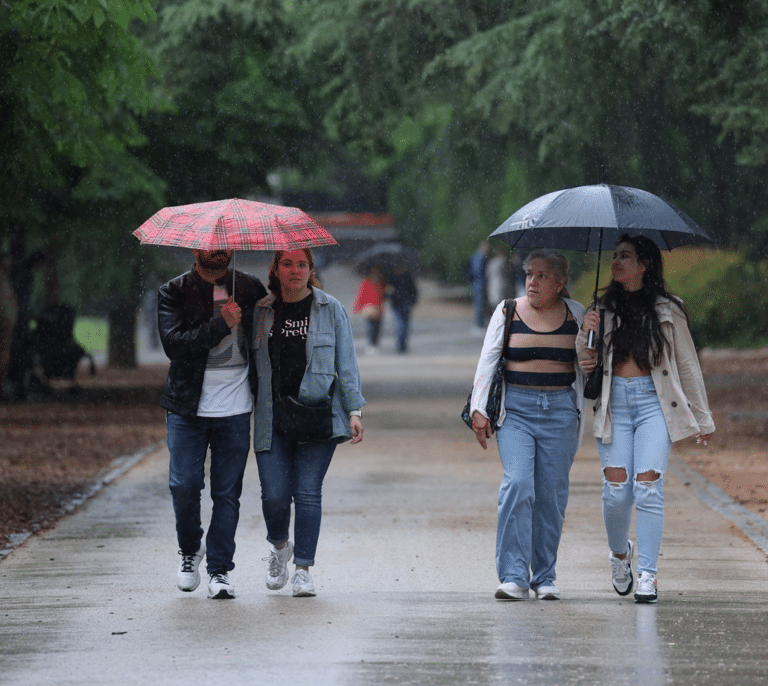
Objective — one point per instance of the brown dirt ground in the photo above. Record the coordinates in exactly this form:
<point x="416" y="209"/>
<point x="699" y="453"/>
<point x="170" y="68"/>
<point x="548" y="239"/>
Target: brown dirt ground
<point x="55" y="448"/>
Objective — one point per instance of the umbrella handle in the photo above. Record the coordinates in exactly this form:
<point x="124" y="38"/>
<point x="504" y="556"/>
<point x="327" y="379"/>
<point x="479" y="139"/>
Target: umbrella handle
<point x="234" y="252"/>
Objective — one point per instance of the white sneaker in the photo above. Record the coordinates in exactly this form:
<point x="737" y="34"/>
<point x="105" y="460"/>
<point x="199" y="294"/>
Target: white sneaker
<point x="547" y="591"/>
<point x="188" y="576"/>
<point x="219" y="587"/>
<point x="621" y="571"/>
<point x="646" y="588"/>
<point x="511" y="591"/>
<point x="277" y="574"/>
<point x="302" y="584"/>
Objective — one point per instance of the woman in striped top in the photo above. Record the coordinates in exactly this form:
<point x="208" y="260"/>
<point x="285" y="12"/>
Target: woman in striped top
<point x="539" y="429"/>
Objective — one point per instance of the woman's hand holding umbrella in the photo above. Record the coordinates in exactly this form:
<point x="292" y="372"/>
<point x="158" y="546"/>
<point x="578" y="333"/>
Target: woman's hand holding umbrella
<point x="590" y="323"/>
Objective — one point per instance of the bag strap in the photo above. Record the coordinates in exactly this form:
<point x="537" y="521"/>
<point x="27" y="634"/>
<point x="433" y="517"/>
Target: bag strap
<point x="510" y="308"/>
<point x="600" y="338"/>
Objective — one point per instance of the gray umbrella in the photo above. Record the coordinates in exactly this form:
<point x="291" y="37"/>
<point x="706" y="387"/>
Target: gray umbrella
<point x="590" y="218"/>
<point x="387" y="256"/>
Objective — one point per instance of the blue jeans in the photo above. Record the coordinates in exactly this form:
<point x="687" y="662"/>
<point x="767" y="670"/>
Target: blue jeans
<point x="640" y="443"/>
<point x="478" y="303"/>
<point x="293" y="472"/>
<point x="537" y="444"/>
<point x="402" y="327"/>
<point x="229" y="439"/>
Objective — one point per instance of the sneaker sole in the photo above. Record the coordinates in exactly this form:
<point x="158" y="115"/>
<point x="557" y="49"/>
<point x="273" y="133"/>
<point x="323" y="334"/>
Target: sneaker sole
<point x="547" y="596"/>
<point x="187" y="589"/>
<point x="501" y="595"/>
<point x="305" y="594"/>
<point x="645" y="599"/>
<point x="222" y="595"/>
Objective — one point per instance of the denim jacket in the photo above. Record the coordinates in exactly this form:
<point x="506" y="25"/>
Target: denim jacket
<point x="330" y="355"/>
<point x="489" y="356"/>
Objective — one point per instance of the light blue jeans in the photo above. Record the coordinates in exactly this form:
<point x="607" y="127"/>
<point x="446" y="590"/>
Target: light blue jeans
<point x="537" y="444"/>
<point x="640" y="443"/>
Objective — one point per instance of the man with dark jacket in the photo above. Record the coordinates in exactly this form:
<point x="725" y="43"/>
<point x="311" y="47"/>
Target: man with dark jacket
<point x="205" y="333"/>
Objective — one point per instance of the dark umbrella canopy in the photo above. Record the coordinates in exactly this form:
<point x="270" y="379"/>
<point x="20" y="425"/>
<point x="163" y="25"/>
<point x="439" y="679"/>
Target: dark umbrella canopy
<point x="590" y="218"/>
<point x="386" y="256"/>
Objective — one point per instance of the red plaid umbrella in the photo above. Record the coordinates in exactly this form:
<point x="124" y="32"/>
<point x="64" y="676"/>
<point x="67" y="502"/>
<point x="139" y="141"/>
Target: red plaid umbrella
<point x="233" y="224"/>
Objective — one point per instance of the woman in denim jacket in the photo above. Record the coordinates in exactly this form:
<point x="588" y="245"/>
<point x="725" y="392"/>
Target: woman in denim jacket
<point x="308" y="333"/>
<point x="652" y="394"/>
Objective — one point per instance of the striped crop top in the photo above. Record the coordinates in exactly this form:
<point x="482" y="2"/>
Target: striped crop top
<point x="541" y="358"/>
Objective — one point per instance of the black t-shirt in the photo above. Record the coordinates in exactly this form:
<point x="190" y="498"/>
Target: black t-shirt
<point x="291" y="325"/>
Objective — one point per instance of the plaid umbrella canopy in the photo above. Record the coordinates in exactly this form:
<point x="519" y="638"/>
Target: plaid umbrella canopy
<point x="233" y="224"/>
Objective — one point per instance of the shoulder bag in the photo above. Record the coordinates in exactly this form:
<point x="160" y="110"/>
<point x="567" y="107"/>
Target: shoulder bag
<point x="493" y="404"/>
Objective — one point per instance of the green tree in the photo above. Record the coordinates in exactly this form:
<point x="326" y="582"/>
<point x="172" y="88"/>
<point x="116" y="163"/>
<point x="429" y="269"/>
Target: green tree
<point x="562" y="89"/>
<point x="73" y="84"/>
<point x="236" y="111"/>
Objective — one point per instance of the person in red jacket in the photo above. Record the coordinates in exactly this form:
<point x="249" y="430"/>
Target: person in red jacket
<point x="369" y="302"/>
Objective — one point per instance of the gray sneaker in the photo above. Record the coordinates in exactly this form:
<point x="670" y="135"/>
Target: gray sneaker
<point x="621" y="571"/>
<point x="277" y="574"/>
<point x="511" y="591"/>
<point x="302" y="584"/>
<point x="188" y="576"/>
<point x="547" y="591"/>
<point x="219" y="587"/>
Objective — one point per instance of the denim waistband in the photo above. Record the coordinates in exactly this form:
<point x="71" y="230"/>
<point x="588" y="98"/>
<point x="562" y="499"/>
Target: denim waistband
<point x="532" y="392"/>
<point x="641" y="382"/>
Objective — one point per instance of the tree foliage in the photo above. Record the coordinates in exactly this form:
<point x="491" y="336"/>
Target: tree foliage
<point x="665" y="96"/>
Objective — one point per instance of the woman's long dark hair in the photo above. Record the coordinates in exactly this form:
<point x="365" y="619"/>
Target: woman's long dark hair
<point x="274" y="283"/>
<point x="639" y="333"/>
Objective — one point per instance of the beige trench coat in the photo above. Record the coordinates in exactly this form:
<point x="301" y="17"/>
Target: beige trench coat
<point x="678" y="379"/>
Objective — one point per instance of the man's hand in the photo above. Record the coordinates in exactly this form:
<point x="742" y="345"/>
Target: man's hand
<point x="232" y="313"/>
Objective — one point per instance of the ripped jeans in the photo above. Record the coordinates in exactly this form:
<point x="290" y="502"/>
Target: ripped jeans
<point x="640" y="443"/>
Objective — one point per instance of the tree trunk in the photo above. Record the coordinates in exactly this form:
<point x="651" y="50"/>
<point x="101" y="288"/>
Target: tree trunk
<point x="121" y="347"/>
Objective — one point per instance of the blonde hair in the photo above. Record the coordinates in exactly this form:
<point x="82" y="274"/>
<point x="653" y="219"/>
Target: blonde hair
<point x="557" y="262"/>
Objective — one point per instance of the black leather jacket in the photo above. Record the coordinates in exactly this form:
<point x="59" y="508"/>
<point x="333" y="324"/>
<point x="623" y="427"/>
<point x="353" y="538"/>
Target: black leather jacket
<point x="188" y="331"/>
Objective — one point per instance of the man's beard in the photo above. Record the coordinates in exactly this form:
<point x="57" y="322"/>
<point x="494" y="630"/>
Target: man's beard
<point x="214" y="261"/>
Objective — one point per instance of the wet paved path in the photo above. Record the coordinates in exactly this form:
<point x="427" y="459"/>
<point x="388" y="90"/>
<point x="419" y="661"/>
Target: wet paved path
<point x="405" y="575"/>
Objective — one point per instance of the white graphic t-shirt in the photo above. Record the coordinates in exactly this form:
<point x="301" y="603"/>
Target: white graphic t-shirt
<point x="226" y="391"/>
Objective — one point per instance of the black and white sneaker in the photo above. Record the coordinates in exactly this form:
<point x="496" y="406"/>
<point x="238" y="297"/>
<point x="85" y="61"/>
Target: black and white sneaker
<point x="646" y="588"/>
<point x="621" y="571"/>
<point x="188" y="576"/>
<point x="219" y="587"/>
